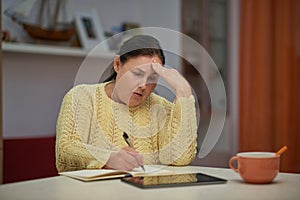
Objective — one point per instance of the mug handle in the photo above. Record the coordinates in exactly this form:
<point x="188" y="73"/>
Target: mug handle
<point x="230" y="164"/>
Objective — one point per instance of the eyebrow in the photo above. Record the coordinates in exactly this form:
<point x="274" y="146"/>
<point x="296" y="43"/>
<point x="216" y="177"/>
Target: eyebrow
<point x="140" y="70"/>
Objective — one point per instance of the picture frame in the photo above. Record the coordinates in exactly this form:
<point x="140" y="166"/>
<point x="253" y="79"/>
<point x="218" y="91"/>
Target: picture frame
<point x="89" y="30"/>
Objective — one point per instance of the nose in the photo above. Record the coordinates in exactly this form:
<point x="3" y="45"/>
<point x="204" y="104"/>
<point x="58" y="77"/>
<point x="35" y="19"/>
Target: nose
<point x="142" y="83"/>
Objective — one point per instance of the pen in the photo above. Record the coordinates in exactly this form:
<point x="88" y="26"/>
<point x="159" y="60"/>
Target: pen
<point x="127" y="140"/>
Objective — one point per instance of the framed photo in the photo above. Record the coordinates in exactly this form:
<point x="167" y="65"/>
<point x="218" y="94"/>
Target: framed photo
<point x="89" y="30"/>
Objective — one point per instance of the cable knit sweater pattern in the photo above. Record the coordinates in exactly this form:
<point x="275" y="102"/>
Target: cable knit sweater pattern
<point x="90" y="127"/>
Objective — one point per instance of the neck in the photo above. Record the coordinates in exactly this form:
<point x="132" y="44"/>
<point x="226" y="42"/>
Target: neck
<point x="109" y="89"/>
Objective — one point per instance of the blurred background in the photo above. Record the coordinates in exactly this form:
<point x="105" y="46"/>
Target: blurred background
<point x="255" y="45"/>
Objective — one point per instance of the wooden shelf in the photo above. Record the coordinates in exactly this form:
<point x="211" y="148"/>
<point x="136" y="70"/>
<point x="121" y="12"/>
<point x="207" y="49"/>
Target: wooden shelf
<point x="53" y="50"/>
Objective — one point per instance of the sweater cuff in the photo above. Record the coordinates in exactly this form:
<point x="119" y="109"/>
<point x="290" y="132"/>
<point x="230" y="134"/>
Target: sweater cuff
<point x="185" y="100"/>
<point x="94" y="164"/>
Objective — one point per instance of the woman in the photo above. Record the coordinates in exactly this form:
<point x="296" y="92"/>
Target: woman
<point x="93" y="118"/>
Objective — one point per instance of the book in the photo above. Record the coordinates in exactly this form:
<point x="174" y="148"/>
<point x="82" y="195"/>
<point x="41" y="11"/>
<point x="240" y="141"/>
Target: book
<point x="101" y="174"/>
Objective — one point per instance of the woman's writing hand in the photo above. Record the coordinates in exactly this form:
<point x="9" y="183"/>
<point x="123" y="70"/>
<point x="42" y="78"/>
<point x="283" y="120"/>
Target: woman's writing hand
<point x="125" y="159"/>
<point x="178" y="83"/>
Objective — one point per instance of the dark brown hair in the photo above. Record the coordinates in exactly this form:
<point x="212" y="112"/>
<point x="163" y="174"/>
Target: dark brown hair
<point x="139" y="45"/>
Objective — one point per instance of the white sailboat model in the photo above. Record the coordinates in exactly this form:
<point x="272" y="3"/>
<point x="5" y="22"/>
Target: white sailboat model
<point x="44" y="19"/>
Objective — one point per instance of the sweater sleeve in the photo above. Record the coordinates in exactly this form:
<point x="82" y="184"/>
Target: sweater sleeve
<point x="177" y="139"/>
<point x="74" y="124"/>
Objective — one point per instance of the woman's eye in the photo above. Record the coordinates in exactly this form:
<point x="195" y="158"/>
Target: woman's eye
<point x="152" y="78"/>
<point x="139" y="74"/>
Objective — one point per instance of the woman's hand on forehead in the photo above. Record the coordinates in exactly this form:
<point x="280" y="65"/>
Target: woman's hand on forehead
<point x="178" y="83"/>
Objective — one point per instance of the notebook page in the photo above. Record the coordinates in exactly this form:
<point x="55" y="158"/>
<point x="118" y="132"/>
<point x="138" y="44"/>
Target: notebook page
<point x="151" y="170"/>
<point x="91" y="173"/>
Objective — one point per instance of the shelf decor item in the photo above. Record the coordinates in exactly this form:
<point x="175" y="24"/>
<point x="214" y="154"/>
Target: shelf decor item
<point x="89" y="30"/>
<point x="44" y="19"/>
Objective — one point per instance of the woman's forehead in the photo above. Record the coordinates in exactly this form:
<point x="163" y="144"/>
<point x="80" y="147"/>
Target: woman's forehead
<point x="143" y="60"/>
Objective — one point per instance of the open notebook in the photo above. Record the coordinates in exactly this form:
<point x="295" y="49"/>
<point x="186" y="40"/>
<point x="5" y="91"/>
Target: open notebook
<point x="150" y="170"/>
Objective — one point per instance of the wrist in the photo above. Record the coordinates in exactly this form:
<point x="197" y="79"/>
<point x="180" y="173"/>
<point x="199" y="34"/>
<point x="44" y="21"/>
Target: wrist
<point x="184" y="92"/>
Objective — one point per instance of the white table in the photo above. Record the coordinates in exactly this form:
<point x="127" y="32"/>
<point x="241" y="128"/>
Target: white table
<point x="285" y="186"/>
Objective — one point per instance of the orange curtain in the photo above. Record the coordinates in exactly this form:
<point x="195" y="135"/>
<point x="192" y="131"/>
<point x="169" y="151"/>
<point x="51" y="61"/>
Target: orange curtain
<point x="269" y="78"/>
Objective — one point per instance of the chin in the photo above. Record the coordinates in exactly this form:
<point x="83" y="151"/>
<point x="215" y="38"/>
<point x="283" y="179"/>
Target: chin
<point x="135" y="103"/>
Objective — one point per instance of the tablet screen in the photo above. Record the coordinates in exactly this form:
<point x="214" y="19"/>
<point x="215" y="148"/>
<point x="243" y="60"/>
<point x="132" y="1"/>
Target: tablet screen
<point x="173" y="180"/>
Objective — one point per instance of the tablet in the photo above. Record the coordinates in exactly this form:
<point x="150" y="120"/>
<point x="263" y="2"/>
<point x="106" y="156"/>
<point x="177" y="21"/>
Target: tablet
<point x="173" y="180"/>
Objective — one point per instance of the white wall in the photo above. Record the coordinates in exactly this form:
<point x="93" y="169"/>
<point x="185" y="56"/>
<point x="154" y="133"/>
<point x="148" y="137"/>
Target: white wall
<point x="33" y="87"/>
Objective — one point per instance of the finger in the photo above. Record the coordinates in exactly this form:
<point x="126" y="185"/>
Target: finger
<point x="139" y="157"/>
<point x="125" y="162"/>
<point x="131" y="165"/>
<point x="131" y="159"/>
<point x="124" y="165"/>
<point x="129" y="149"/>
<point x="159" y="69"/>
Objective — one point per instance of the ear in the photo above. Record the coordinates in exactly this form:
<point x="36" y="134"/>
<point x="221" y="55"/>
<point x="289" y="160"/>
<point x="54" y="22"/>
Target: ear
<point x="117" y="63"/>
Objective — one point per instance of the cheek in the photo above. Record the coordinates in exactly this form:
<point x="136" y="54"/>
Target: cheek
<point x="128" y="81"/>
<point x="150" y="87"/>
<point x="126" y="85"/>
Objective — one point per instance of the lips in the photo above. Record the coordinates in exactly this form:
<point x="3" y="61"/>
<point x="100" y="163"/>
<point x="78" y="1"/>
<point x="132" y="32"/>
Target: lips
<point x="138" y="94"/>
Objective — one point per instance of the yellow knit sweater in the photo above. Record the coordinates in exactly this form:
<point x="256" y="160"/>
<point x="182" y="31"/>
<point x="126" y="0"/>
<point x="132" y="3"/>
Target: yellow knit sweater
<point x="90" y="126"/>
